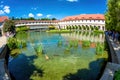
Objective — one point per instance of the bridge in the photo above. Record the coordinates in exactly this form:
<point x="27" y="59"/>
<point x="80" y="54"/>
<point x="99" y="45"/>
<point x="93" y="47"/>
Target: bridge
<point x="37" y="24"/>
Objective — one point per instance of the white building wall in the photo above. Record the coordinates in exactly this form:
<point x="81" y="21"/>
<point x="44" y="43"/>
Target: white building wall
<point x="100" y="23"/>
<point x="64" y="24"/>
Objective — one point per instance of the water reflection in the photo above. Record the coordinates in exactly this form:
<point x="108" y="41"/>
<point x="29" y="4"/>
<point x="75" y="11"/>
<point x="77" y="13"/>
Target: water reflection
<point x="59" y="53"/>
<point x="84" y="35"/>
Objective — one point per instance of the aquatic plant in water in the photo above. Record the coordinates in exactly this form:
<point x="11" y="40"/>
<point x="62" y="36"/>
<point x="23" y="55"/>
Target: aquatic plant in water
<point x="14" y="43"/>
<point x="99" y="49"/>
<point x="75" y="43"/>
<point x="67" y="49"/>
<point x="39" y="49"/>
<point x="86" y="44"/>
<point x="60" y="43"/>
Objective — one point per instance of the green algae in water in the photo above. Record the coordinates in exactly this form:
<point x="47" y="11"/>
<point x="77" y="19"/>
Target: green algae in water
<point x="78" y="64"/>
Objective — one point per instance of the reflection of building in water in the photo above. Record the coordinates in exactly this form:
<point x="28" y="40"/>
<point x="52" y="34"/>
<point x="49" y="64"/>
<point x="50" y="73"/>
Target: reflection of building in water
<point x="85" y="36"/>
<point x="80" y="22"/>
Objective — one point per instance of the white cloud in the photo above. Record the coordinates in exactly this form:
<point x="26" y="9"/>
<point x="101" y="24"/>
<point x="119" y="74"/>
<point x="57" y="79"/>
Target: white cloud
<point x="39" y="14"/>
<point x="6" y="9"/>
<point x="72" y="0"/>
<point x="31" y="15"/>
<point x="1" y="12"/>
<point x="49" y="15"/>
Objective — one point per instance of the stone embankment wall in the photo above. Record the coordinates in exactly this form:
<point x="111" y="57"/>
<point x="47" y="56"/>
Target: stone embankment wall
<point x="114" y="64"/>
<point x="4" y="56"/>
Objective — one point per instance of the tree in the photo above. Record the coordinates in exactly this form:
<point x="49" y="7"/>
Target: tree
<point x="112" y="17"/>
<point x="9" y="26"/>
<point x="31" y="18"/>
<point x="45" y="19"/>
<point x="53" y="19"/>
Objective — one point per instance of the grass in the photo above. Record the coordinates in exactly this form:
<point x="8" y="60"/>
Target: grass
<point x="59" y="31"/>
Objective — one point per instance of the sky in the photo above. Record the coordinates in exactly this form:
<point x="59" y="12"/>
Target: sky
<point x="50" y="8"/>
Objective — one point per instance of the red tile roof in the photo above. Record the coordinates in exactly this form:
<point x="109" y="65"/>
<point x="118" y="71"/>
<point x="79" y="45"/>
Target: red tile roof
<point x="85" y="17"/>
<point x="3" y="18"/>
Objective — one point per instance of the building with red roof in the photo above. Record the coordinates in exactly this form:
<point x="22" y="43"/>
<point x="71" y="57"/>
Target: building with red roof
<point x="82" y="21"/>
<point x="86" y="20"/>
<point x="2" y="20"/>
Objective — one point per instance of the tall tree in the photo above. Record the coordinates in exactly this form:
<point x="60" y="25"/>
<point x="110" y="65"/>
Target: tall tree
<point x="9" y="26"/>
<point x="112" y="17"/>
<point x="54" y="19"/>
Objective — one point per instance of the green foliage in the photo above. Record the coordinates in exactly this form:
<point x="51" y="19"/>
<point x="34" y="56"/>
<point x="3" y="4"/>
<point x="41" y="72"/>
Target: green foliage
<point x="53" y="19"/>
<point x="9" y="26"/>
<point x="15" y="52"/>
<point x="70" y="43"/>
<point x="86" y="43"/>
<point x="67" y="27"/>
<point x="87" y="27"/>
<point x="112" y="18"/>
<point x="14" y="43"/>
<point x="52" y="27"/>
<point x="99" y="48"/>
<point x="84" y="27"/>
<point x="73" y="43"/>
<point x="21" y="35"/>
<point x="76" y="27"/>
<point x="22" y="28"/>
<point x="117" y="75"/>
<point x="92" y="28"/>
<point x="31" y="18"/>
<point x="96" y="28"/>
<point x="80" y="28"/>
<point x="60" y="43"/>
<point x="38" y="49"/>
<point x="68" y="48"/>
<point x="45" y="19"/>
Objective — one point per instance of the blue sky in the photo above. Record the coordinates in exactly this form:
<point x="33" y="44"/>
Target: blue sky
<point x="51" y="8"/>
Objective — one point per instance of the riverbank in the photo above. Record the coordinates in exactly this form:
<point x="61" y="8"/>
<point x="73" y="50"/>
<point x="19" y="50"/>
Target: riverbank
<point x="4" y="56"/>
<point x="3" y="41"/>
<point x="114" y="65"/>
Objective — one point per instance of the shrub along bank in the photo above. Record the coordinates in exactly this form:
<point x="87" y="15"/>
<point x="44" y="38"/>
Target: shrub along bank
<point x="22" y="28"/>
